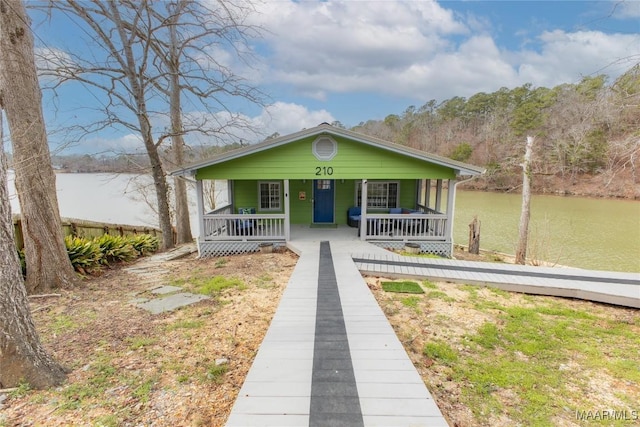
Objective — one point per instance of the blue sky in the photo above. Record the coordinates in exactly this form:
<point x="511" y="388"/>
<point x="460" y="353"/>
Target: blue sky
<point x="360" y="60"/>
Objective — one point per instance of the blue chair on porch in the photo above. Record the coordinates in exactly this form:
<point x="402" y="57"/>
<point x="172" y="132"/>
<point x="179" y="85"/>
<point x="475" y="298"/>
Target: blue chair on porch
<point x="245" y="227"/>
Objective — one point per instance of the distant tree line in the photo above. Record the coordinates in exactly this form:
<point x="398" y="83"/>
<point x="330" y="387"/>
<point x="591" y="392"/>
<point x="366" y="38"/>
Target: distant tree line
<point x="584" y="130"/>
<point x="128" y="162"/>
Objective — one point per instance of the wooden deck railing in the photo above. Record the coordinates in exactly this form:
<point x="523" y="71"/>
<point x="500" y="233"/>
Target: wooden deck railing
<point x="406" y="227"/>
<point x="221" y="224"/>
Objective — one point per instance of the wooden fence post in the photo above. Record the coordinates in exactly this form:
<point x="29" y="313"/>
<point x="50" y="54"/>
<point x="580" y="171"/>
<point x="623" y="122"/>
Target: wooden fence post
<point x="474" y="236"/>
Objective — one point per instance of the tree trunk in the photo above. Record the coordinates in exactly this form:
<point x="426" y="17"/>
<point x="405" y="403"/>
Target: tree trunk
<point x="22" y="357"/>
<point x="136" y="80"/>
<point x="521" y="252"/>
<point x="474" y="236"/>
<point x="183" y="225"/>
<point x="48" y="264"/>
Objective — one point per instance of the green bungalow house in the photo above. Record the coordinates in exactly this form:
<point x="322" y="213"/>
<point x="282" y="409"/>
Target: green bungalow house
<point x="319" y="177"/>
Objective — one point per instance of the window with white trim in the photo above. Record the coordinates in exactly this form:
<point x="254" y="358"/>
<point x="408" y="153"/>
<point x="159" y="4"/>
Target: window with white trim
<point x="380" y="194"/>
<point x="270" y="195"/>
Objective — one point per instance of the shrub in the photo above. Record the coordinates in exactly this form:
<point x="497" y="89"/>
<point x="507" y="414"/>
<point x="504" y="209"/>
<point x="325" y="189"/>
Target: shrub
<point x="144" y="243"/>
<point x="116" y="249"/>
<point x="85" y="255"/>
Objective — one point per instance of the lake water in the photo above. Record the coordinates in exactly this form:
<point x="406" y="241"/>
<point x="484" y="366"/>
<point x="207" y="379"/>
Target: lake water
<point x="581" y="232"/>
<point x="601" y="234"/>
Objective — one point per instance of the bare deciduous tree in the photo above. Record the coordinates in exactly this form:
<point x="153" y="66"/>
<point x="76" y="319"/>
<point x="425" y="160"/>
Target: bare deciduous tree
<point x="48" y="264"/>
<point x="22" y="357"/>
<point x="166" y="49"/>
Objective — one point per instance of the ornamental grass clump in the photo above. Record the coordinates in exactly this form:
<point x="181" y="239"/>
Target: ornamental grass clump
<point x="144" y="243"/>
<point x="88" y="256"/>
<point x="116" y="249"/>
<point x="85" y="255"/>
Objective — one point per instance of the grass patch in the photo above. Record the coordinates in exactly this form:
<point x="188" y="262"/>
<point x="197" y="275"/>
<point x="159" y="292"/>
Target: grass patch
<point x="102" y="376"/>
<point x="411" y="302"/>
<point x="216" y="284"/>
<point x="406" y="287"/>
<point x="265" y="281"/>
<point x="523" y="351"/>
<point x="429" y="284"/>
<point x="107" y="421"/>
<point x="22" y="390"/>
<point x="136" y="343"/>
<point x="142" y="391"/>
<point x="63" y="323"/>
<point x="499" y="292"/>
<point x="185" y="324"/>
<point x="440" y="351"/>
<point x="216" y="373"/>
<point x="471" y="290"/>
<point x="440" y="295"/>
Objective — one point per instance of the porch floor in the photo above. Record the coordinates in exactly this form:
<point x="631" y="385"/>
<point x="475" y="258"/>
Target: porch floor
<point x="309" y="233"/>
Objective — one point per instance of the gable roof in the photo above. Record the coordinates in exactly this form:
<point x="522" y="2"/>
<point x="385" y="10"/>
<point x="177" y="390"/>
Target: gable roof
<point x="326" y="129"/>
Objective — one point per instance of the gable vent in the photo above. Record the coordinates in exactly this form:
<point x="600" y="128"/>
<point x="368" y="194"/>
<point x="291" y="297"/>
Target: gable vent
<point x="325" y="148"/>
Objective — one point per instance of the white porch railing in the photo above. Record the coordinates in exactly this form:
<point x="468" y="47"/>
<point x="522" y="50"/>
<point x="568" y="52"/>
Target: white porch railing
<point x="222" y="224"/>
<point x="427" y="226"/>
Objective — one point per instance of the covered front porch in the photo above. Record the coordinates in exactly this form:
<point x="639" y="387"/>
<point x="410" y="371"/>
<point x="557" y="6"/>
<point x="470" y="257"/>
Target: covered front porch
<point x="423" y="219"/>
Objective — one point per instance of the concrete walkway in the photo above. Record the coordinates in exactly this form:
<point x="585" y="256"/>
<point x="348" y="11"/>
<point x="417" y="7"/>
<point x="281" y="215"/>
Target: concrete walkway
<point x="320" y="366"/>
<point x="601" y="286"/>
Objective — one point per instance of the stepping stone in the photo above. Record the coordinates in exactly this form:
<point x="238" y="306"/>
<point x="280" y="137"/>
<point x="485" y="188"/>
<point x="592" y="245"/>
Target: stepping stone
<point x="163" y="290"/>
<point x="170" y="303"/>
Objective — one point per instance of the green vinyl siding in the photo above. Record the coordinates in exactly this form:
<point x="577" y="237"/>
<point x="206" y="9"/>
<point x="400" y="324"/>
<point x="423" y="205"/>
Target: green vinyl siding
<point x="301" y="210"/>
<point x="354" y="160"/>
<point x="246" y="195"/>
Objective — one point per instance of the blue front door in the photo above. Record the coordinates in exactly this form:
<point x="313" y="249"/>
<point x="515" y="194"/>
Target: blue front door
<point x="323" y="201"/>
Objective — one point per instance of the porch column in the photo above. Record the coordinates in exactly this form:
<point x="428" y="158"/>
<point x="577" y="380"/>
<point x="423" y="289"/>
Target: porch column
<point x="439" y="195"/>
<point x="363" y="211"/>
<point x="451" y="197"/>
<point x="231" y="200"/>
<point x="200" y="208"/>
<point x="427" y="195"/>
<point x="287" y="219"/>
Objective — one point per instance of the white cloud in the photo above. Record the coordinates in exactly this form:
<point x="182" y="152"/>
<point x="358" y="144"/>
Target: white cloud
<point x="280" y="117"/>
<point x="51" y="62"/>
<point x="286" y="118"/>
<point x="421" y="50"/>
<point x="567" y="57"/>
<point x="626" y="9"/>
<point x="313" y="43"/>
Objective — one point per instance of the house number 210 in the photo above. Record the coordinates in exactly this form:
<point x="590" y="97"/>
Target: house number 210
<point x="324" y="170"/>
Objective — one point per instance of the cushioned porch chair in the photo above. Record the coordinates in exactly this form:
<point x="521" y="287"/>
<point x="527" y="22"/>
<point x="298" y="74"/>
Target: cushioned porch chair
<point x="245" y="227"/>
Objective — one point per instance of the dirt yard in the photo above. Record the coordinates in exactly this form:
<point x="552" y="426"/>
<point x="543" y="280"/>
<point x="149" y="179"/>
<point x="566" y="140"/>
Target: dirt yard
<point x="131" y="368"/>
<point x="489" y="357"/>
